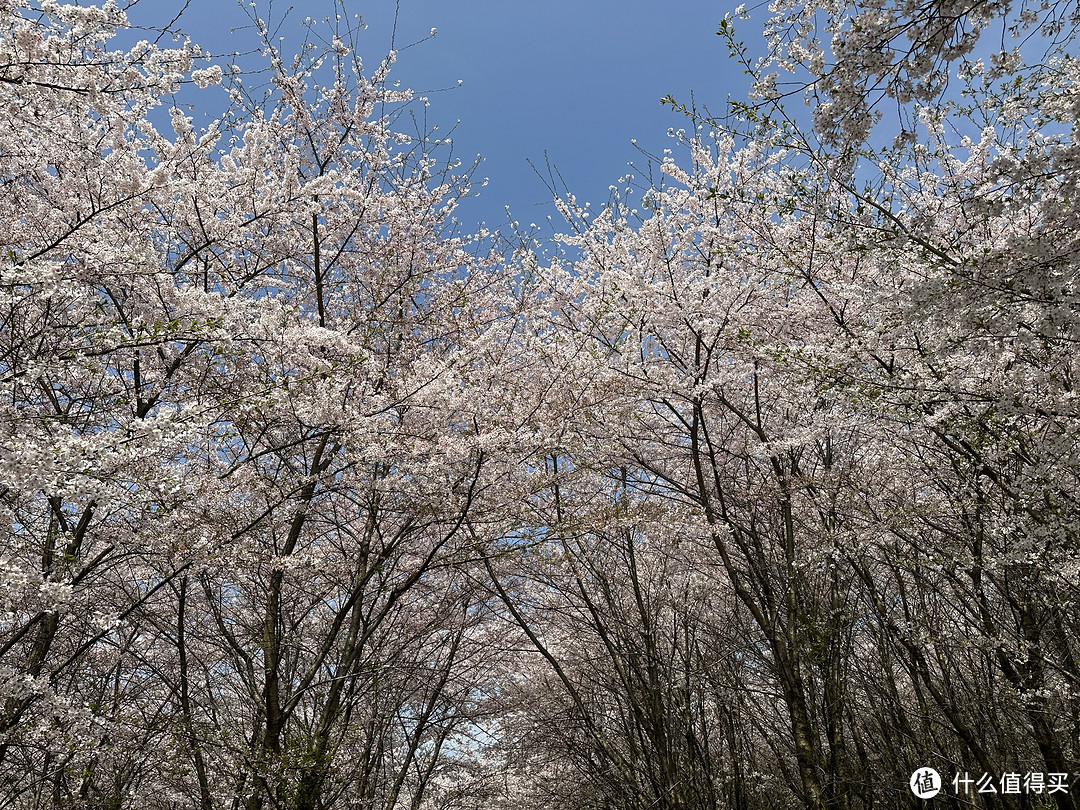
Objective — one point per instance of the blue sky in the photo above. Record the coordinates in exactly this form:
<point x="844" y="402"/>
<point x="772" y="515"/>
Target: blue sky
<point x="577" y="80"/>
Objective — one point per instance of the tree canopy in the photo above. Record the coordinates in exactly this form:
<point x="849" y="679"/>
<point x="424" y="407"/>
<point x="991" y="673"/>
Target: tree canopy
<point x="761" y="494"/>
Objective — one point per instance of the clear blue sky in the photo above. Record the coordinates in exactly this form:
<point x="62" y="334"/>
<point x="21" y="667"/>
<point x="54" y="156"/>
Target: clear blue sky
<point x="577" y="79"/>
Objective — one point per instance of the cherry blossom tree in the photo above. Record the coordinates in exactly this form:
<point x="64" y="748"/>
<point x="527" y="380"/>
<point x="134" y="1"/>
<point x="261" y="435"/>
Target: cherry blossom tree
<point x="242" y="450"/>
<point x="847" y="369"/>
